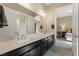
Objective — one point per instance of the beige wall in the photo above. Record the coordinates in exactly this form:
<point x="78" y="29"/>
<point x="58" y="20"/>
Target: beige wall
<point x="44" y="25"/>
<point x="65" y="21"/>
<point x="50" y="19"/>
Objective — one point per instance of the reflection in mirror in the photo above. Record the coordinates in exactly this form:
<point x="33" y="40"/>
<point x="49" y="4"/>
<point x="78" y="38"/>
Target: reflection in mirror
<point x="27" y="24"/>
<point x="31" y="25"/>
<point x="22" y="25"/>
<point x="64" y="23"/>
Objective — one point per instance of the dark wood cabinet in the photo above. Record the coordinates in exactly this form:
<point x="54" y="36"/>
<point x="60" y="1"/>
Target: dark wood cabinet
<point x="43" y="46"/>
<point x="35" y="51"/>
<point x="20" y="51"/>
<point x="50" y="41"/>
<point x="27" y="53"/>
<point x="37" y="48"/>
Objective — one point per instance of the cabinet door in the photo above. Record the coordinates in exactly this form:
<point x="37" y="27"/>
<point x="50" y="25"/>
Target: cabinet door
<point x="43" y="44"/>
<point x="35" y="51"/>
<point x="50" y="41"/>
<point x="53" y="40"/>
<point x="19" y="51"/>
<point x="22" y="50"/>
<point x="42" y="52"/>
<point x="27" y="54"/>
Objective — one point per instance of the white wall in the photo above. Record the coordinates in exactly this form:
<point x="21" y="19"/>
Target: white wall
<point x="75" y="30"/>
<point x="50" y="19"/>
<point x="9" y="31"/>
<point x="78" y="31"/>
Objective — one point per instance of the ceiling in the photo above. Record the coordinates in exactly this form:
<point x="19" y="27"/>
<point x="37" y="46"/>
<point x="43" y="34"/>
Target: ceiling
<point x="64" y="11"/>
<point x="19" y="8"/>
<point x="61" y="12"/>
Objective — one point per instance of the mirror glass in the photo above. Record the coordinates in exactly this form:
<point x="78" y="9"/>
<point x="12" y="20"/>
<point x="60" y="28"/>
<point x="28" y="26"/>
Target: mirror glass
<point x="19" y="24"/>
<point x="27" y="24"/>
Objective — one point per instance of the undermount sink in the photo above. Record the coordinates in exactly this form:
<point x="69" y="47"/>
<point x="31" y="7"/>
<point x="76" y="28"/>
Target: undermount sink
<point x="30" y="38"/>
<point x="24" y="40"/>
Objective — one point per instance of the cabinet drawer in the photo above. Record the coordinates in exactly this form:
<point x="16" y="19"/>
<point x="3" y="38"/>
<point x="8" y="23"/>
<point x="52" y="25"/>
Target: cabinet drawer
<point x="43" y="44"/>
<point x="43" y="51"/>
<point x="19" y="51"/>
<point x="35" y="51"/>
<point x="50" y="41"/>
<point x="35" y="44"/>
<point x="27" y="53"/>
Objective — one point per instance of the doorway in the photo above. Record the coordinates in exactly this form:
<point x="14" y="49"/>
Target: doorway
<point x="64" y="27"/>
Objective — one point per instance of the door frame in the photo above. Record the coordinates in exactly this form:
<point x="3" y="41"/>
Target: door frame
<point x="72" y="28"/>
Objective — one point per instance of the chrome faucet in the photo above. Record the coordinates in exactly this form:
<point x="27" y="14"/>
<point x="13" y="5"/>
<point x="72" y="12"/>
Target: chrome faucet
<point x="17" y="34"/>
<point x="22" y="37"/>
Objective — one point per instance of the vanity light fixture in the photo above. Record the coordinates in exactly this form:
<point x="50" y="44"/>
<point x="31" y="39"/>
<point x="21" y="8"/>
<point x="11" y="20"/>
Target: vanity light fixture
<point x="52" y="26"/>
<point x="41" y="27"/>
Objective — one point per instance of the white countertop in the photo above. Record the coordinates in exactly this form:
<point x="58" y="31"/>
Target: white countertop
<point x="9" y="45"/>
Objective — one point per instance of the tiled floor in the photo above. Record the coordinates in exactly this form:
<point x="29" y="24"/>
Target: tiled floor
<point x="62" y="48"/>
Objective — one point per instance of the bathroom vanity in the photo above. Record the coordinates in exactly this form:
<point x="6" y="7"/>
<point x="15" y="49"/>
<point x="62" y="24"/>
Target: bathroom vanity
<point x="33" y="47"/>
<point x="31" y="43"/>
